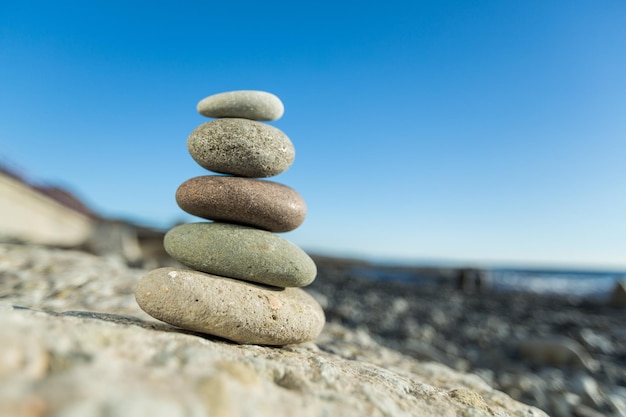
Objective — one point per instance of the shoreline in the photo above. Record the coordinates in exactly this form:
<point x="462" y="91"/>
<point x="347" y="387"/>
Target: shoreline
<point x="580" y="285"/>
<point x="497" y="335"/>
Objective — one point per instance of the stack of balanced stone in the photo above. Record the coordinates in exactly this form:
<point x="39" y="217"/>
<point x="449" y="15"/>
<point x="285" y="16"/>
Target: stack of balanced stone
<point x="245" y="279"/>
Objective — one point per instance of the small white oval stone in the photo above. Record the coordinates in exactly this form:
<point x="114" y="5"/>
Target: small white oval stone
<point x="246" y="104"/>
<point x="236" y="310"/>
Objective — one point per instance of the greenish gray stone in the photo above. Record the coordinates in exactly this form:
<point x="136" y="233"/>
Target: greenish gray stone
<point x="236" y="310"/>
<point x="241" y="147"/>
<point x="240" y="252"/>
<point x="247" y="104"/>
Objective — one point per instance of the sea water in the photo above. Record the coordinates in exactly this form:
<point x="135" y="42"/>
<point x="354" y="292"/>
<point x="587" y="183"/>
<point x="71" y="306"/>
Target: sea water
<point x="571" y="283"/>
<point x="555" y="282"/>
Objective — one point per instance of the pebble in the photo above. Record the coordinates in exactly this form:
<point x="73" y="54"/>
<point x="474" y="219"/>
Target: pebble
<point x="264" y="204"/>
<point x="228" y="308"/>
<point x="241" y="147"/>
<point x="240" y="252"/>
<point x="247" y="104"/>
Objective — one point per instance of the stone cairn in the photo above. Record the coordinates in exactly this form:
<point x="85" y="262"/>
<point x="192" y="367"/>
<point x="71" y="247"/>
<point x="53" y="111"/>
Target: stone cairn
<point x="245" y="279"/>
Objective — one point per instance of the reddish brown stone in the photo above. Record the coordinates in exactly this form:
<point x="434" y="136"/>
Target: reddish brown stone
<point x="263" y="204"/>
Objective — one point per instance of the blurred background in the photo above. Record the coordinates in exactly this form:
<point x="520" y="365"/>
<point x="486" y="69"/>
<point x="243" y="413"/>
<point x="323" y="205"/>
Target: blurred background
<point x="437" y="132"/>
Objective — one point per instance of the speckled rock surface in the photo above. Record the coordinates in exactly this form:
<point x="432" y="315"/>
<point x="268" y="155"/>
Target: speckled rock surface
<point x="228" y="308"/>
<point x="94" y="364"/>
<point x="121" y="362"/>
<point x="240" y="252"/>
<point x="264" y="204"/>
<point x="241" y="147"/>
<point x="247" y="104"/>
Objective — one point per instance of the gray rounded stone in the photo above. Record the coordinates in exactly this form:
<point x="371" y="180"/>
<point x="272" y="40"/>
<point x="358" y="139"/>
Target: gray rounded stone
<point x="264" y="204"/>
<point x="247" y="104"/>
<point x="228" y="308"/>
<point x="241" y="147"/>
<point x="240" y="252"/>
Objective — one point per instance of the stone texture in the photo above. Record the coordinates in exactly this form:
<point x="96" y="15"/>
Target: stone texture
<point x="263" y="204"/>
<point x="124" y="363"/>
<point x="246" y="104"/>
<point x="240" y="252"/>
<point x="428" y="321"/>
<point x="54" y="279"/>
<point x="241" y="147"/>
<point x="236" y="310"/>
<point x="91" y="365"/>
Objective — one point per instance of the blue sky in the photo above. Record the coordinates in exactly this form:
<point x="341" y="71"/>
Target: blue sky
<point x="481" y="132"/>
